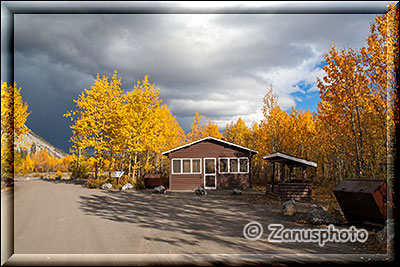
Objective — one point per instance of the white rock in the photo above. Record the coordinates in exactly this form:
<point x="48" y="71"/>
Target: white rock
<point x="127" y="186"/>
<point x="106" y="186"/>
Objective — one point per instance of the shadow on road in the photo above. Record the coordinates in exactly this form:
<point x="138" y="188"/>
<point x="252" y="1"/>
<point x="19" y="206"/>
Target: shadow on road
<point x="190" y="220"/>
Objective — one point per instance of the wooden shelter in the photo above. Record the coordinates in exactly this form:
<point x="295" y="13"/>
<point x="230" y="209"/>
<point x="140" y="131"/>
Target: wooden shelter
<point x="283" y="180"/>
<point x="211" y="163"/>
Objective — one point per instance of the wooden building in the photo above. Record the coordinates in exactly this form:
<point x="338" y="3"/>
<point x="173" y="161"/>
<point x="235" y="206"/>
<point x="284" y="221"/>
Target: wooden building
<point x="211" y="163"/>
<point x="283" y="183"/>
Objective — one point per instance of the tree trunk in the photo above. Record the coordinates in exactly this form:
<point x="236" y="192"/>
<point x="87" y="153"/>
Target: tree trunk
<point x="353" y="127"/>
<point x="95" y="169"/>
<point x="134" y="168"/>
<point x="362" y="167"/>
<point x="130" y="165"/>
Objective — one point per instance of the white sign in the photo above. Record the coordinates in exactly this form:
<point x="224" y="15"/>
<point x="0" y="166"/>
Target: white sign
<point x="117" y="174"/>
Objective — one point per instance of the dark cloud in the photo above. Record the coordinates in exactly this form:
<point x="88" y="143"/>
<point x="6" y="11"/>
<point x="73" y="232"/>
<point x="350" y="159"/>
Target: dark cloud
<point x="218" y="65"/>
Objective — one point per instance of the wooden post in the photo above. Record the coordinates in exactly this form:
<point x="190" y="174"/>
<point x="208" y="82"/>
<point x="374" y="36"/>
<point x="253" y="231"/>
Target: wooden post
<point x="304" y="173"/>
<point x="282" y="178"/>
<point x="291" y="174"/>
<point x="273" y="177"/>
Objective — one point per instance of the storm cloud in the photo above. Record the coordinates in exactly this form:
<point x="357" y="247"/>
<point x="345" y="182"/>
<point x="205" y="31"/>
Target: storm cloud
<point x="219" y="65"/>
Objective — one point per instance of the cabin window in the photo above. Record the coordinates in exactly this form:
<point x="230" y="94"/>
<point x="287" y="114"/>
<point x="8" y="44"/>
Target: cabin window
<point x="244" y="165"/>
<point x="196" y="166"/>
<point x="223" y="165"/>
<point x="176" y="166"/>
<point x="233" y="165"/>
<point x="186" y="166"/>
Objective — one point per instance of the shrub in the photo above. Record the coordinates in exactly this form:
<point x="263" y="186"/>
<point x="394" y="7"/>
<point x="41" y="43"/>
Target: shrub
<point x="95" y="183"/>
<point x="59" y="174"/>
<point x="78" y="169"/>
<point x="139" y="184"/>
<point x="119" y="182"/>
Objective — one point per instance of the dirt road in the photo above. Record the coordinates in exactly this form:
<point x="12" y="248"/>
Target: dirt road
<point x="64" y="218"/>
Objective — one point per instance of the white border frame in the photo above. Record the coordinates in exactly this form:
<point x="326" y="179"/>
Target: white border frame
<point x="210" y="174"/>
<point x="181" y="165"/>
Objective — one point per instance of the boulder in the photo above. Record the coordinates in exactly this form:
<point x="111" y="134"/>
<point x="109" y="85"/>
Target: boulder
<point x="200" y="191"/>
<point x="127" y="186"/>
<point x="318" y="215"/>
<point x="289" y="208"/>
<point x="236" y="191"/>
<point x="106" y="186"/>
<point x="160" y="190"/>
<point x="382" y="235"/>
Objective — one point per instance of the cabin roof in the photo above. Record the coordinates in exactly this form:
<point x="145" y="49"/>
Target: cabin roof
<point x="278" y="156"/>
<point x="209" y="138"/>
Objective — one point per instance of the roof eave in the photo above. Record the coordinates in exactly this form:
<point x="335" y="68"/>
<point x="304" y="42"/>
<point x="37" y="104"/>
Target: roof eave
<point x="208" y="138"/>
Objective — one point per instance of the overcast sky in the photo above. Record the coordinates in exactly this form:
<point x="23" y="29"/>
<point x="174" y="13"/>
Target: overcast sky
<point x="219" y="65"/>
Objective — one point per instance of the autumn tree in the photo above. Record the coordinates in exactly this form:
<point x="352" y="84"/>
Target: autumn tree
<point x="98" y="119"/>
<point x="357" y="93"/>
<point x="196" y="129"/>
<point x="141" y="121"/>
<point x="199" y="130"/>
<point x="14" y="113"/>
<point x="238" y="133"/>
<point x="126" y="131"/>
<point x="211" y="129"/>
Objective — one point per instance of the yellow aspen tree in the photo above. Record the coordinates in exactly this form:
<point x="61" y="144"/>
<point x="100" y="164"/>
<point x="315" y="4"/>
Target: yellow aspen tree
<point x="196" y="129"/>
<point x="238" y="133"/>
<point x="98" y="119"/>
<point x="211" y="129"/>
<point x="343" y="96"/>
<point x="381" y="59"/>
<point x="14" y="113"/>
<point x="140" y="121"/>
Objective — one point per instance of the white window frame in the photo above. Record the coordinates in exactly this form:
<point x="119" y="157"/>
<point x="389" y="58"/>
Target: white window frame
<point x="181" y="164"/>
<point x="172" y="166"/>
<point x="248" y="164"/>
<point x="237" y="159"/>
<point x="210" y="174"/>
<point x="191" y="166"/>
<point x="229" y="165"/>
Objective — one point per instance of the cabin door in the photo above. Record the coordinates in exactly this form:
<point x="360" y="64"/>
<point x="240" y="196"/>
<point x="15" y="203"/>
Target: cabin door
<point x="210" y="173"/>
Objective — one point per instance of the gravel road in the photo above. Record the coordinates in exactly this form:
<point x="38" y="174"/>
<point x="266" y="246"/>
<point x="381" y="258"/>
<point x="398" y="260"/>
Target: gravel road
<point x="66" y="218"/>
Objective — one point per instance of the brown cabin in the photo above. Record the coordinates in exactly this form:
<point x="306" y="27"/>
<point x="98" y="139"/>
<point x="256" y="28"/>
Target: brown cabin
<point x="211" y="163"/>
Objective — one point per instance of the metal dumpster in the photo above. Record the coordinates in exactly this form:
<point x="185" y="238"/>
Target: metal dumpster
<point x="152" y="180"/>
<point x="362" y="200"/>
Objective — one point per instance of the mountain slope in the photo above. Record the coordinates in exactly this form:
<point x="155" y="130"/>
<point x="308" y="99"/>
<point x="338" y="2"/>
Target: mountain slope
<point x="32" y="141"/>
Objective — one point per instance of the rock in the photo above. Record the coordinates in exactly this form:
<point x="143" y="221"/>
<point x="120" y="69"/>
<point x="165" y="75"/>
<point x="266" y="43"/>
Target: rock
<point x="388" y="229"/>
<point x="236" y="191"/>
<point x="318" y="215"/>
<point x="160" y="190"/>
<point x="127" y="186"/>
<point x="288" y="208"/>
<point x="106" y="186"/>
<point x="200" y="191"/>
<point x="338" y="210"/>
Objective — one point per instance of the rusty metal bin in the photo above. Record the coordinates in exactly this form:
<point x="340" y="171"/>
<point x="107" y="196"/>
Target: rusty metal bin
<point x="152" y="180"/>
<point x="362" y="200"/>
